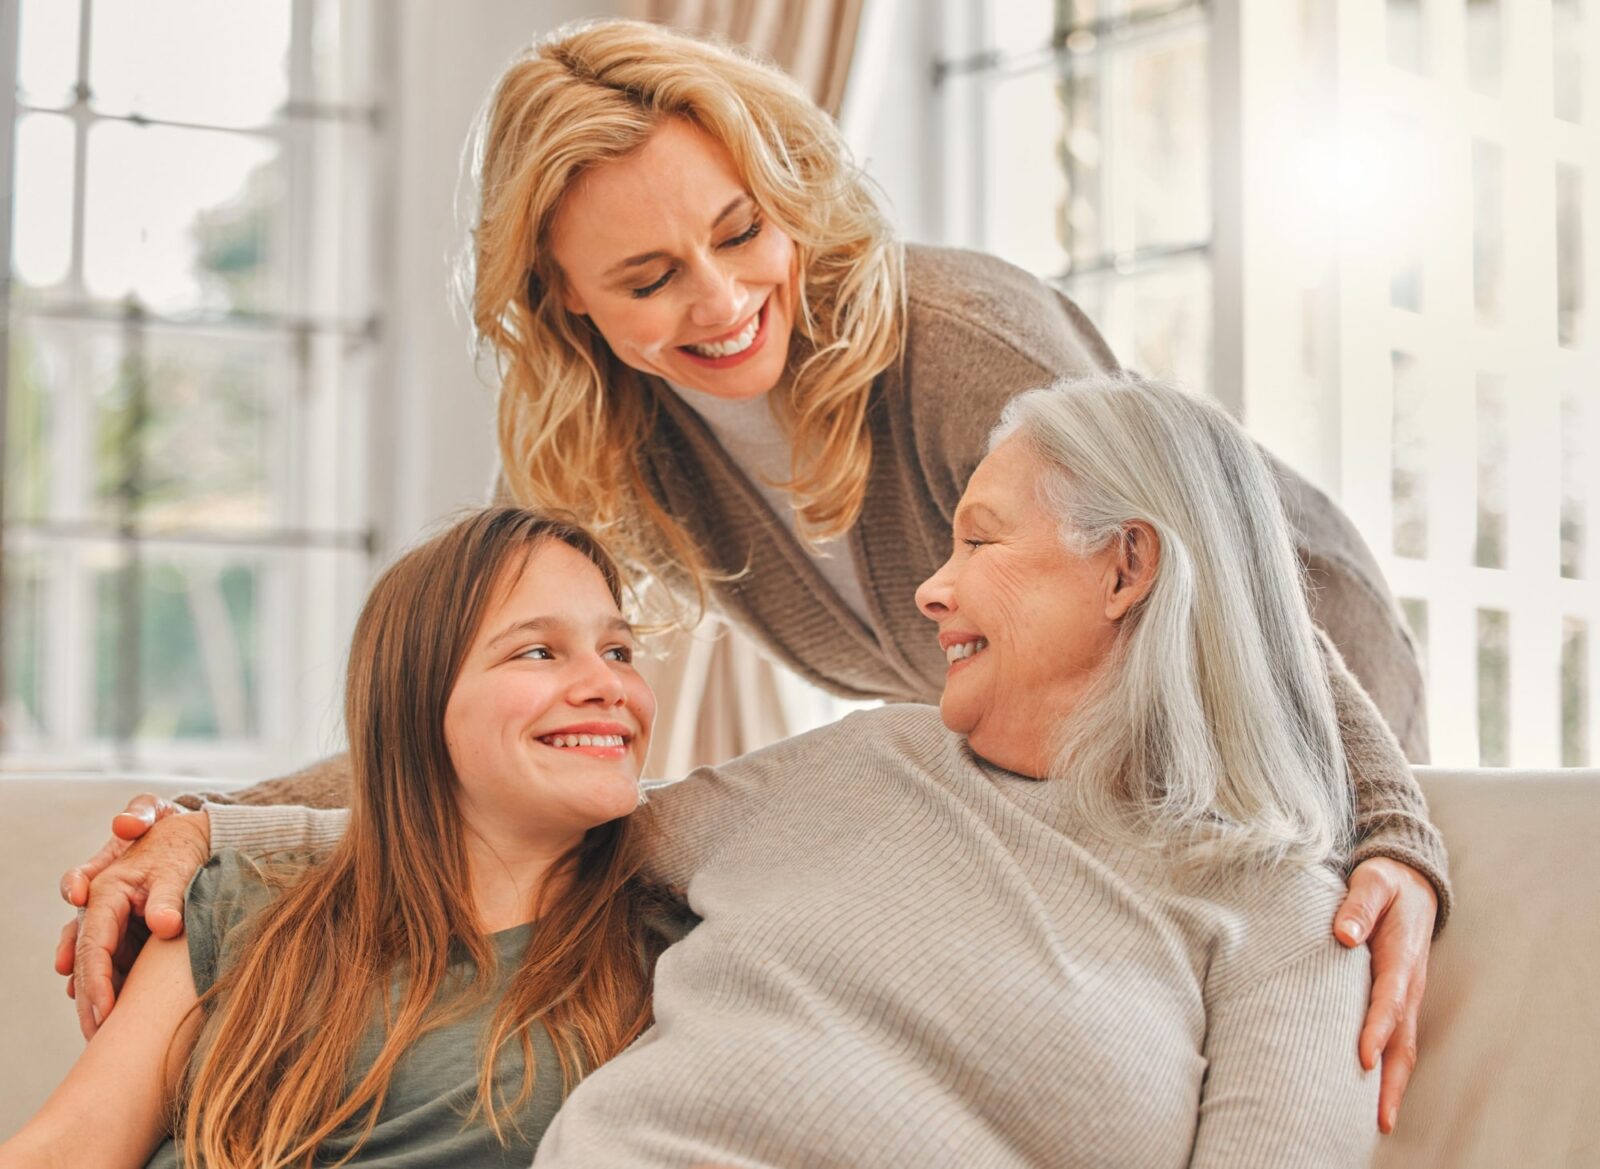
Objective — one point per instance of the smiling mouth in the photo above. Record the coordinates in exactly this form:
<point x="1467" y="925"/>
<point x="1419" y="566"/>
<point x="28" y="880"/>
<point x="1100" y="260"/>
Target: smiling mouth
<point x="964" y="650"/>
<point x="730" y="349"/>
<point x="566" y="742"/>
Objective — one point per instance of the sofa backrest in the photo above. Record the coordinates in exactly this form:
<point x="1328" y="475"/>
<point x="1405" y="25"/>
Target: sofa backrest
<point x="1510" y="1069"/>
<point x="1510" y="1038"/>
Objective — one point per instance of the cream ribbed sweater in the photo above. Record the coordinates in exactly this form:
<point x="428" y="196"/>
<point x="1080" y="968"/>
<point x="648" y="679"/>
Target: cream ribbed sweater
<point x="912" y="958"/>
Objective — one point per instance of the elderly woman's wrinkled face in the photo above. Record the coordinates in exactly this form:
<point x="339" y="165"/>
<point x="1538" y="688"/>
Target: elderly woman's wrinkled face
<point x="667" y="254"/>
<point x="1025" y="623"/>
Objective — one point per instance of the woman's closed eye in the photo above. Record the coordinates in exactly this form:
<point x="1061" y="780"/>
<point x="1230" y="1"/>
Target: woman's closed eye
<point x="739" y="240"/>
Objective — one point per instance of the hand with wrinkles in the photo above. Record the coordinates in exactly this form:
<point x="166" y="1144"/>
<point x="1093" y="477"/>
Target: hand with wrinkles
<point x="142" y="872"/>
<point x="1392" y="908"/>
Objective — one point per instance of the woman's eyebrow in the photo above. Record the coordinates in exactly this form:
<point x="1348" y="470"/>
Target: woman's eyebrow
<point x="977" y="512"/>
<point x="646" y="257"/>
<point x="543" y="624"/>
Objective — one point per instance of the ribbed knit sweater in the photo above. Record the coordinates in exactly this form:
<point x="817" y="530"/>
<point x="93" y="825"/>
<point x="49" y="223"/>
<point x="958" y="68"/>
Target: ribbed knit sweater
<point x="978" y="332"/>
<point x="910" y="957"/>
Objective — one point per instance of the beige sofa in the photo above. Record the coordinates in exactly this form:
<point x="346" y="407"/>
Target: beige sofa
<point x="1510" y="1074"/>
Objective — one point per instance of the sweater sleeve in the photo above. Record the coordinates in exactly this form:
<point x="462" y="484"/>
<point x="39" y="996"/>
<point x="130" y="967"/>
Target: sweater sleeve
<point x="692" y="819"/>
<point x="258" y="831"/>
<point x="1391" y="811"/>
<point x="1283" y="1082"/>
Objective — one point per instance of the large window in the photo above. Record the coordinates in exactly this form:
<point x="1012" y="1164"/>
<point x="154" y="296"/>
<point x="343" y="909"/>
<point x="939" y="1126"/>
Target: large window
<point x="1076" y="137"/>
<point x="190" y="337"/>
<point x="1368" y="228"/>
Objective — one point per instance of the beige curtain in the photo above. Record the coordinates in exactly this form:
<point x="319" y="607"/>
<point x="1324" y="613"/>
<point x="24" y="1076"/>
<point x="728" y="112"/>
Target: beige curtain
<point x="813" y="40"/>
<point x="716" y="696"/>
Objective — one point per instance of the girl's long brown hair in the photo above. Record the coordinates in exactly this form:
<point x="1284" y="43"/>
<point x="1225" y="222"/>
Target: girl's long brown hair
<point x="269" y="1081"/>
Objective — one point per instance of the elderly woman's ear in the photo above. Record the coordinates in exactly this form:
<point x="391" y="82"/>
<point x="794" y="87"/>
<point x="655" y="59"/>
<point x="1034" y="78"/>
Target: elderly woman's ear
<point x="1137" y="559"/>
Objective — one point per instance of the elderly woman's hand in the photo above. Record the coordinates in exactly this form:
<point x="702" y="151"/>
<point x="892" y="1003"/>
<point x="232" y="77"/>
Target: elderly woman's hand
<point x="1392" y="907"/>
<point x="143" y="870"/>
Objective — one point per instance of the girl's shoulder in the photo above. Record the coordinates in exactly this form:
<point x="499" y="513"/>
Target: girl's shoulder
<point x="223" y="896"/>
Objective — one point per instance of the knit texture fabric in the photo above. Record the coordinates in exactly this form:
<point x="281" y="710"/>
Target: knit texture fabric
<point x="911" y="957"/>
<point x="979" y="332"/>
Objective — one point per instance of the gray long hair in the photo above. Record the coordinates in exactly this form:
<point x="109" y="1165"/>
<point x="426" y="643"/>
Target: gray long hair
<point x="1212" y="733"/>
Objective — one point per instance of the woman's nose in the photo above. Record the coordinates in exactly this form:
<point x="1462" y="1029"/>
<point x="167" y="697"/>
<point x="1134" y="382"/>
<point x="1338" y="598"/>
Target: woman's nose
<point x="933" y="595"/>
<point x="720" y="299"/>
<point x="596" y="683"/>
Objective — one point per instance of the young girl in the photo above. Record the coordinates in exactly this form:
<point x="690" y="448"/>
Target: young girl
<point x="477" y="942"/>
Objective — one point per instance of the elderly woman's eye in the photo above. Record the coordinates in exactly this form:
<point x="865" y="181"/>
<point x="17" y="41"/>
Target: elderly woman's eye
<point x="973" y="543"/>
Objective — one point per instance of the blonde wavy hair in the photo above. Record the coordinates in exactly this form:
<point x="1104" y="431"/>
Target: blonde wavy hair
<point x="572" y="416"/>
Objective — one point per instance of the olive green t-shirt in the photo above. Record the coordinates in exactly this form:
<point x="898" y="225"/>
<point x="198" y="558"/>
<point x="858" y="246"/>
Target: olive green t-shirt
<point x="434" y="1084"/>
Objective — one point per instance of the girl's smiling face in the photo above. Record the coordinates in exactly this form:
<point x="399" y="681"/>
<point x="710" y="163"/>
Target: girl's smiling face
<point x="667" y="254"/>
<point x="548" y="721"/>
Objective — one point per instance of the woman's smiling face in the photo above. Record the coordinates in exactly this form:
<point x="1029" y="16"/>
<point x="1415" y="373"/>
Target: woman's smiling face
<point x="667" y="254"/>
<point x="1026" y="623"/>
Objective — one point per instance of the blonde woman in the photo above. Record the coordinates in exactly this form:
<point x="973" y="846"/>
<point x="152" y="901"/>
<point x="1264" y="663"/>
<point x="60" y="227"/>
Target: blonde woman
<point x="714" y="352"/>
<point x="478" y="940"/>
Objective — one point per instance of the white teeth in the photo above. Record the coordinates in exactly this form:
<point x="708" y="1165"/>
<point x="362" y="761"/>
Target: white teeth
<point x="583" y="740"/>
<point x="728" y="348"/>
<point x="965" y="650"/>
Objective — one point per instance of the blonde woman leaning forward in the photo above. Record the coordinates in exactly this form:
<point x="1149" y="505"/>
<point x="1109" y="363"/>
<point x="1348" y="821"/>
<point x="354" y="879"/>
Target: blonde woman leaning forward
<point x="1077" y="915"/>
<point x="478" y="940"/>
<point x="713" y="351"/>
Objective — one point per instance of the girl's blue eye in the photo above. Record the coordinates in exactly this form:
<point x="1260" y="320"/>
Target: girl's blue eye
<point x="652" y="289"/>
<point x="538" y="649"/>
<point x="622" y="652"/>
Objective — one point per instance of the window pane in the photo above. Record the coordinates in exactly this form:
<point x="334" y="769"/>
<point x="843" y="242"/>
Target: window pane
<point x="1567" y="39"/>
<point x="1569" y="254"/>
<point x="177" y="653"/>
<point x="1416" y="614"/>
<point x="1488" y="228"/>
<point x="23" y="715"/>
<point x="1407" y="35"/>
<point x="1157" y="321"/>
<point x="1411" y="184"/>
<point x="1020" y="26"/>
<point x="41" y="228"/>
<point x="1574" y="504"/>
<point x="1162" y="174"/>
<point x="1484" y="33"/>
<point x="192" y="60"/>
<point x="188" y="429"/>
<point x="1025" y="195"/>
<point x="1409" y="480"/>
<point x="1083" y="228"/>
<point x="37" y="375"/>
<point x="1492" y="469"/>
<point x="185" y="219"/>
<point x="47" y="63"/>
<point x="1574" y="693"/>
<point x="1494" y="688"/>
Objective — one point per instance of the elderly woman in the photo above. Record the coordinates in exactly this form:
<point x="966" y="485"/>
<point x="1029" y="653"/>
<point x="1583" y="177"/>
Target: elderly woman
<point x="1077" y="915"/>
<point x="714" y="353"/>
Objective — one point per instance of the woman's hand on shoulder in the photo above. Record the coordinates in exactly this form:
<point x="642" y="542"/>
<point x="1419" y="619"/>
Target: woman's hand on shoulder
<point x="1392" y="908"/>
<point x="155" y="848"/>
